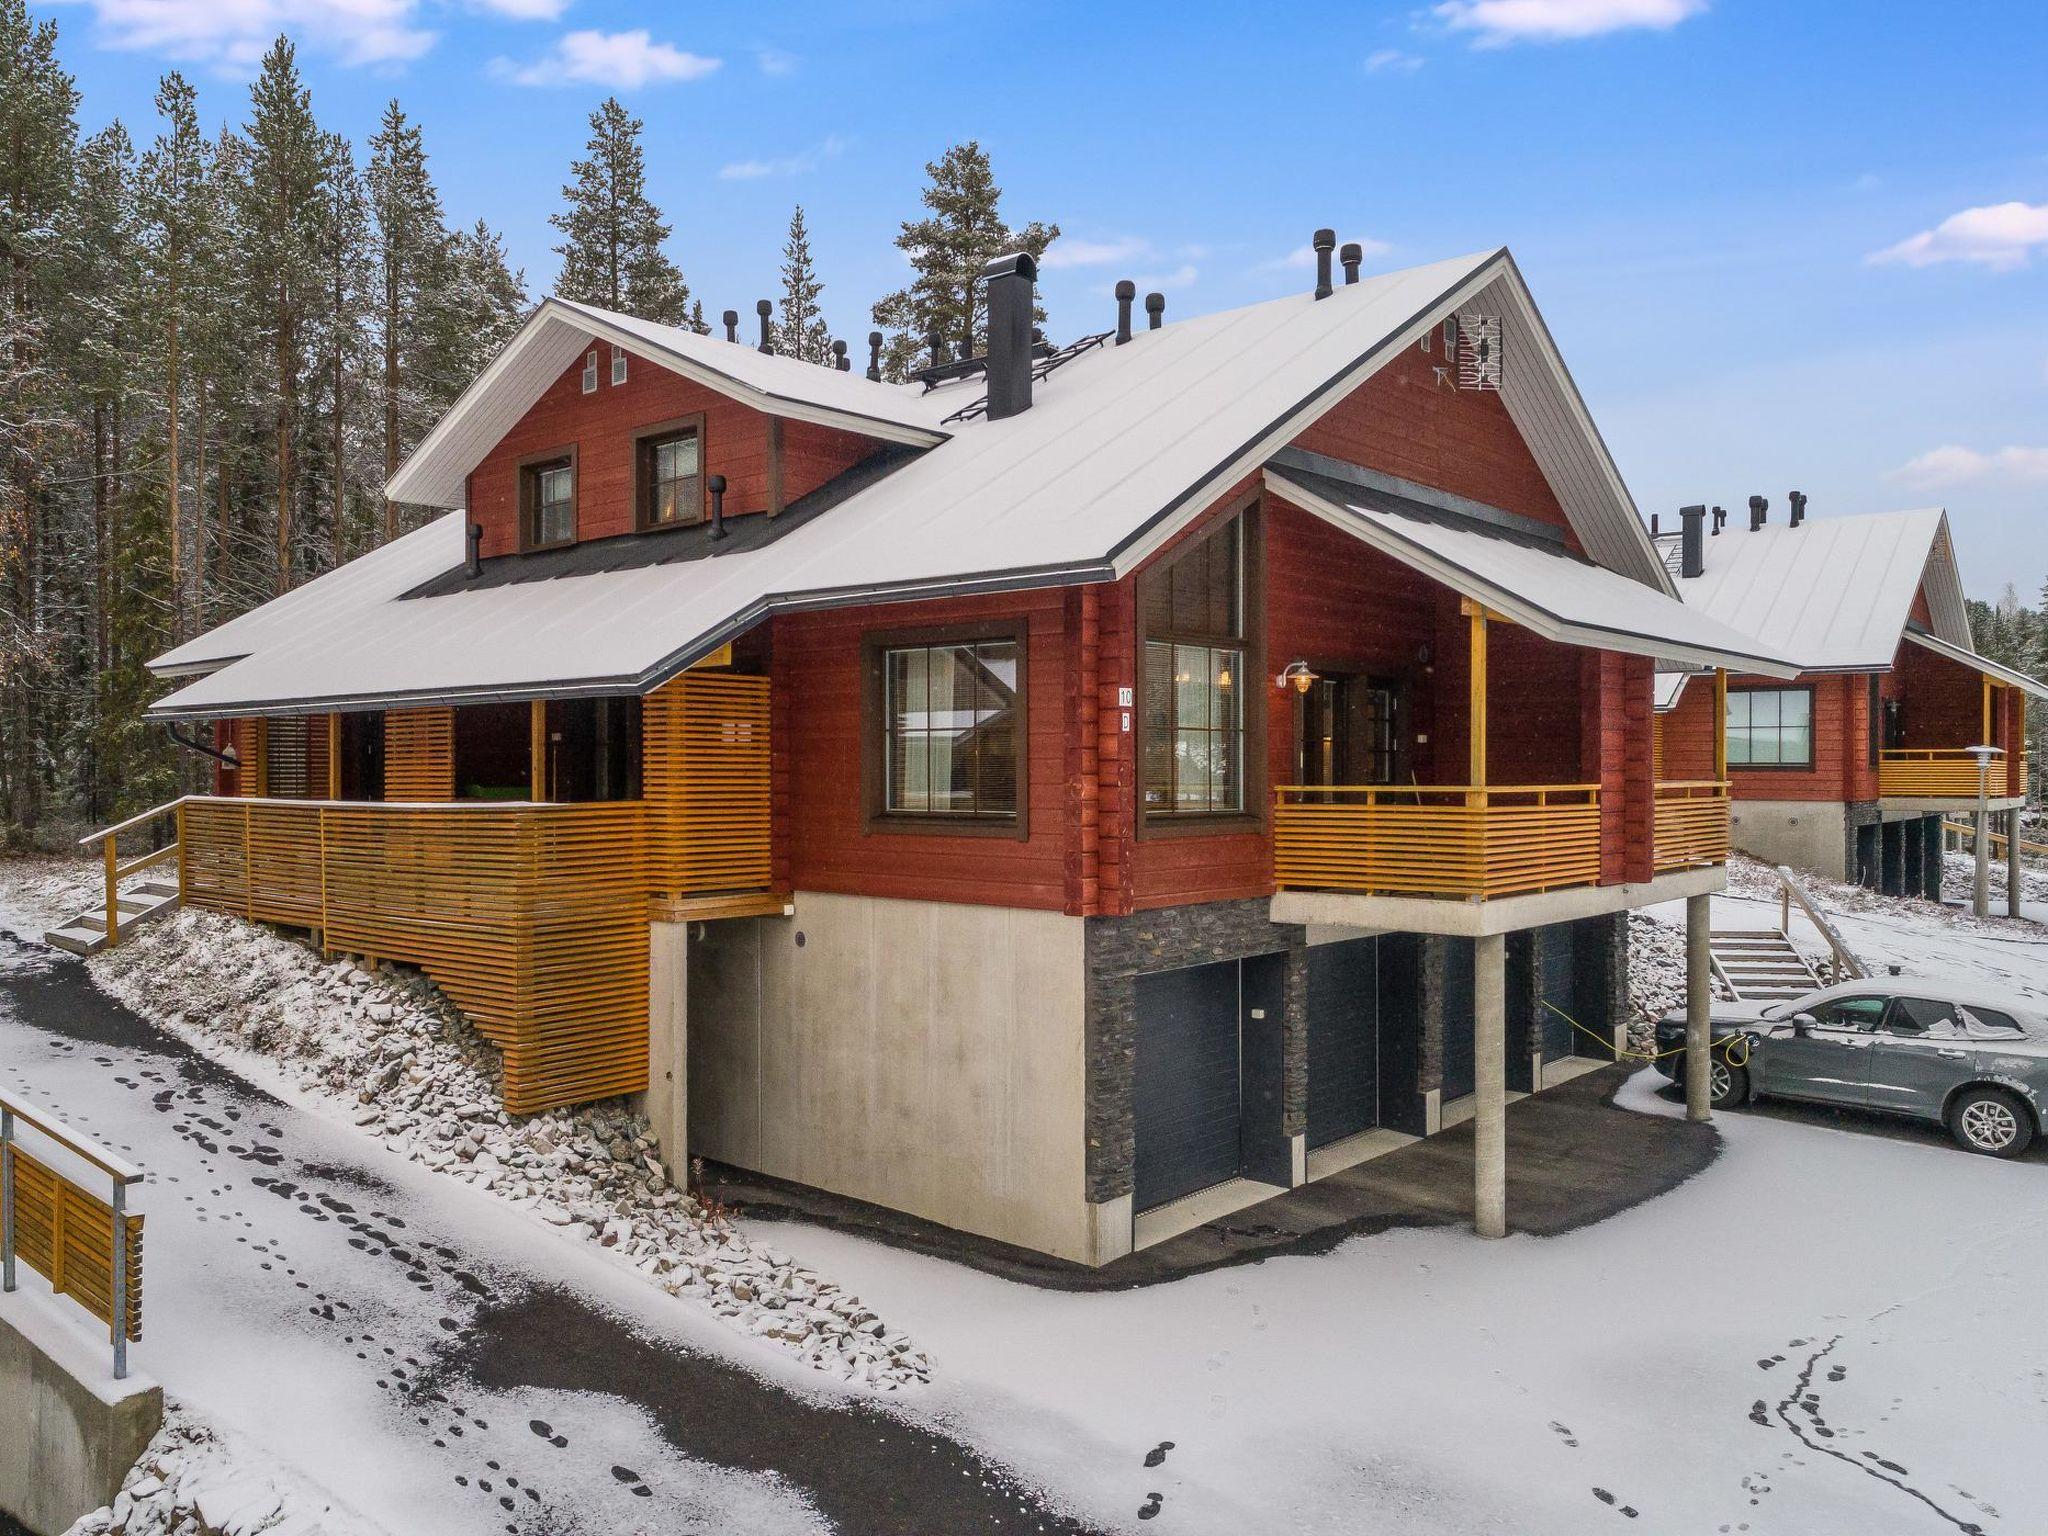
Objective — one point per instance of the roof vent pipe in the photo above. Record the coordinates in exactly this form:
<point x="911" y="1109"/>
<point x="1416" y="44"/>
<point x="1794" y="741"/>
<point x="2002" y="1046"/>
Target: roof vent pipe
<point x="1126" y="291"/>
<point x="1653" y="525"/>
<point x="875" y="356"/>
<point x="1798" y="501"/>
<point x="716" y="485"/>
<point x="732" y="324"/>
<point x="473" y="561"/>
<point x="1325" y="242"/>
<point x="1720" y="517"/>
<point x="1155" y="311"/>
<point x="764" y="309"/>
<point x="839" y="356"/>
<point x="1758" y="509"/>
<point x="1353" y="255"/>
<point x="1692" y="548"/>
<point x="1009" y="281"/>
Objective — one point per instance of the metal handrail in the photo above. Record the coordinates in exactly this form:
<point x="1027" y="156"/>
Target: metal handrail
<point x="1844" y="964"/>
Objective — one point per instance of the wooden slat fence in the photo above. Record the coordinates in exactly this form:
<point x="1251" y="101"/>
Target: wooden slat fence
<point x="1946" y="773"/>
<point x="1452" y="840"/>
<point x="1691" y="823"/>
<point x="705" y="778"/>
<point x="66" y="1235"/>
<point x="419" y="754"/>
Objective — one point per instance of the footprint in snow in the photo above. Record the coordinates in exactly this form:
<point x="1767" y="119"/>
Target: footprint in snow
<point x="1151" y="1506"/>
<point x="1564" y="1433"/>
<point x="1759" y="1413"/>
<point x="1611" y="1502"/>
<point x="1765" y="1365"/>
<point x="628" y="1476"/>
<point x="1836" y="1373"/>
<point x="1157" y="1454"/>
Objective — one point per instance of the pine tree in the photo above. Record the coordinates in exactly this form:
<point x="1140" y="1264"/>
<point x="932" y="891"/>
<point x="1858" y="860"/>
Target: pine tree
<point x="948" y="249"/>
<point x="612" y="235"/>
<point x="341" y="327"/>
<point x="415" y="266"/>
<point x="282" y="209"/>
<point x="802" y="332"/>
<point x="485" y="304"/>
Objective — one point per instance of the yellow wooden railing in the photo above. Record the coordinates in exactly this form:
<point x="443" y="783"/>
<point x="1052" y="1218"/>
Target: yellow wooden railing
<point x="1691" y="823"/>
<point x="87" y="1248"/>
<point x="1940" y="773"/>
<point x="114" y="869"/>
<point x="1458" y="841"/>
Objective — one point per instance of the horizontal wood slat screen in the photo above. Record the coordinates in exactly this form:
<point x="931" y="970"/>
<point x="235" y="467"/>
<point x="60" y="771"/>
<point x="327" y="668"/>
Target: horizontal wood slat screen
<point x="705" y="776"/>
<point x="66" y="1235"/>
<point x="1692" y="823"/>
<point x="419" y="754"/>
<point x="1947" y="773"/>
<point x="1450" y="840"/>
<point x="252" y="756"/>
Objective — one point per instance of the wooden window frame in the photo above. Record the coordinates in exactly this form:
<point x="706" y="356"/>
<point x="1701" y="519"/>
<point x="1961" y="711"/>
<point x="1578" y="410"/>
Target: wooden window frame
<point x="618" y="374"/>
<point x="645" y="440"/>
<point x="1252" y="623"/>
<point x="528" y="471"/>
<point x="876" y="817"/>
<point x="1812" y="733"/>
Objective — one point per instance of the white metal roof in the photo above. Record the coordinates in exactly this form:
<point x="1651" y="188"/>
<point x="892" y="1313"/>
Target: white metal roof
<point x="1835" y="592"/>
<point x="1122" y="447"/>
<point x="1549" y="592"/>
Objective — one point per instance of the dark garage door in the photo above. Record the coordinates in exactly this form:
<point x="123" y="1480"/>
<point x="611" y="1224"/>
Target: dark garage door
<point x="1187" y="1113"/>
<point x="1557" y="984"/>
<point x="1458" y="1051"/>
<point x="1343" y="1040"/>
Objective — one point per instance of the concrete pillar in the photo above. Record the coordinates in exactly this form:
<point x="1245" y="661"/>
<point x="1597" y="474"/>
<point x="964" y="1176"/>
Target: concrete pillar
<point x="2012" y="863"/>
<point x="1699" y="1007"/>
<point x="1981" y="891"/>
<point x="1490" y="1087"/>
<point x="668" y="1043"/>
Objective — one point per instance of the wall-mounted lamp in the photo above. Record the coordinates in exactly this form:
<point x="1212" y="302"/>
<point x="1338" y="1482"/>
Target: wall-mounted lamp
<point x="1297" y="675"/>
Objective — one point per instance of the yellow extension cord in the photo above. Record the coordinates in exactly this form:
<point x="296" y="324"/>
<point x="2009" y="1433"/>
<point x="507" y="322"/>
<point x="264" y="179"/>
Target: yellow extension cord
<point x="1734" y="1050"/>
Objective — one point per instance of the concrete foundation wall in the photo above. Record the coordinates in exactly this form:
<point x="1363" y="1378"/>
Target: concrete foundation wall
<point x="925" y="1056"/>
<point x="67" y="1436"/>
<point x="1806" y="834"/>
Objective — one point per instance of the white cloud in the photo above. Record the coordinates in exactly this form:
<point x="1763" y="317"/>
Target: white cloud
<point x="1500" y="22"/>
<point x="232" y="35"/>
<point x="1303" y="257"/>
<point x="773" y="61"/>
<point x="1392" y="60"/>
<point x="1955" y="465"/>
<point x="622" y="60"/>
<point x="2000" y="236"/>
<point x="829" y="148"/>
<point x="1182" y="276"/>
<point x="524" y="10"/>
<point x="1071" y="251"/>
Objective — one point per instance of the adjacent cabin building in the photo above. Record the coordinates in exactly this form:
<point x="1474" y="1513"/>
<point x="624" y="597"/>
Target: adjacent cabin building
<point x="1850" y="768"/>
<point x="1065" y="797"/>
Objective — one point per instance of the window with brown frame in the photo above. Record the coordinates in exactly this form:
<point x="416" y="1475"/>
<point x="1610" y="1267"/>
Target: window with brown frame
<point x="1770" y="727"/>
<point x="547" y="494"/>
<point x="946" y="730"/>
<point x="1194" y="679"/>
<point x="669" y="475"/>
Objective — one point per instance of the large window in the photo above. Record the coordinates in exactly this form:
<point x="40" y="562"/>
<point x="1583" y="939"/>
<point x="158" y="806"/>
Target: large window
<point x="1194" y="679"/>
<point x="951" y="729"/>
<point x="547" y="493"/>
<point x="1770" y="728"/>
<point x="670" y="475"/>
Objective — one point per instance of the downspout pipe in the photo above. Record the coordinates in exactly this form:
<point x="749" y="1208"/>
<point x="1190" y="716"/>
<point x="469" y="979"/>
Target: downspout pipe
<point x="226" y="759"/>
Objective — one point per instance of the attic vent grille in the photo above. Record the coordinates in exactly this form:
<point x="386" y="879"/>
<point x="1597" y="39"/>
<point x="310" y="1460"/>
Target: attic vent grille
<point x="1040" y="369"/>
<point x="1479" y="352"/>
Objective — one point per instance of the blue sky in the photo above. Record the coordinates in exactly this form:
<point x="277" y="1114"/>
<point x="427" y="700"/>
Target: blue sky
<point x="1782" y="245"/>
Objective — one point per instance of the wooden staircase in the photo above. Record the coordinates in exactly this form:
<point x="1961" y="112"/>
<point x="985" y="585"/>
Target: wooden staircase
<point x="1761" y="966"/>
<point x="86" y="934"/>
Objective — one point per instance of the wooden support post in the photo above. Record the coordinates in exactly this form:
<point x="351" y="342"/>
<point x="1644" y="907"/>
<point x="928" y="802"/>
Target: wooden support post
<point x="538" y="789"/>
<point x="1721" y="723"/>
<point x="1987" y="738"/>
<point x="108" y="846"/>
<point x="1476" y="619"/>
<point x="334" y="757"/>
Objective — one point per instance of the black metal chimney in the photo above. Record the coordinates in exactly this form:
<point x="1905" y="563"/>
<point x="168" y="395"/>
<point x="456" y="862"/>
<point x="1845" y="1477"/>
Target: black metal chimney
<point x="716" y="485"/>
<point x="1325" y="242"/>
<point x="1653" y="525"/>
<point x="732" y="324"/>
<point x="839" y="356"/>
<point x="1692" y="548"/>
<point x="1758" y="509"/>
<point x="1126" y="291"/>
<point x="1155" y="311"/>
<point x="764" y="309"/>
<point x="875" y="356"/>
<point x="1009" y="280"/>
<point x="1798" y="501"/>
<point x="1353" y="255"/>
<point x="938" y="346"/>
<point x="473" y="562"/>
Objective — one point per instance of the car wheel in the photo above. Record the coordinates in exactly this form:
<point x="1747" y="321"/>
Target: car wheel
<point x="1728" y="1085"/>
<point x="1990" y="1121"/>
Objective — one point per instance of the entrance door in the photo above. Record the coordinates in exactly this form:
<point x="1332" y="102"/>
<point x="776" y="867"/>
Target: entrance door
<point x="1557" y="990"/>
<point x="1343" y="1040"/>
<point x="1348" y="732"/>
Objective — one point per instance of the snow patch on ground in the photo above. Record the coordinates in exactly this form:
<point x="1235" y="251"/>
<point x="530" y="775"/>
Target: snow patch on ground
<point x="194" y="1481"/>
<point x="396" y="1058"/>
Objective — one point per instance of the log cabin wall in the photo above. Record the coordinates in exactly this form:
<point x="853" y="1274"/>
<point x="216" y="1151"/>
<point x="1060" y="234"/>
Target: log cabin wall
<point x="1943" y="700"/>
<point x="601" y="426"/>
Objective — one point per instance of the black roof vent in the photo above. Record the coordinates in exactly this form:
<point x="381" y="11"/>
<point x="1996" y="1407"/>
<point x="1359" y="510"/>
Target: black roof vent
<point x="1759" y="508"/>
<point x="1720" y="517"/>
<point x="764" y="309"/>
<point x="1155" y="311"/>
<point x="839" y="356"/>
<point x="1126" y="291"/>
<point x="875" y="356"/>
<point x="1798" y="503"/>
<point x="1325" y="242"/>
<point x="732" y="324"/>
<point x="1353" y="256"/>
<point x="1692" y="549"/>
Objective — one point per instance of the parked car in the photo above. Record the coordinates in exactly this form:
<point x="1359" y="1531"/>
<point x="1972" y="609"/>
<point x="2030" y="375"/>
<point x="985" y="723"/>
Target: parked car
<point x="1969" y="1058"/>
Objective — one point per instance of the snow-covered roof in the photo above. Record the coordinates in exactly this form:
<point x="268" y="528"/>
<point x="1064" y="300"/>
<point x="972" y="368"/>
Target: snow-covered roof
<point x="1547" y="590"/>
<point x="1123" y="447"/>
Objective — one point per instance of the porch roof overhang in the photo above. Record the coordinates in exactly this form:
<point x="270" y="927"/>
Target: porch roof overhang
<point x="1996" y="671"/>
<point x="1548" y="591"/>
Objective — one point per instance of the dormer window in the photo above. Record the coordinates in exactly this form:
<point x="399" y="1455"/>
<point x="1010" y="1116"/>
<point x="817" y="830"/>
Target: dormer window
<point x="618" y="365"/>
<point x="669" y="474"/>
<point x="590" y="372"/>
<point x="547" y="498"/>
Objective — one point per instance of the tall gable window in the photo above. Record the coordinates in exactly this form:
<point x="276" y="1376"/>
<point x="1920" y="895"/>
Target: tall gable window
<point x="1770" y="727"/>
<point x="946" y="730"/>
<point x="547" y="499"/>
<point x="1194" y="679"/>
<point x="669" y="474"/>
